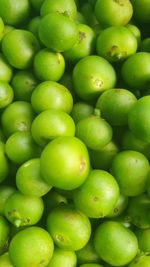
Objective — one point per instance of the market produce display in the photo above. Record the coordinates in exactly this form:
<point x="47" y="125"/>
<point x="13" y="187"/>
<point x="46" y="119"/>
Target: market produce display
<point x="74" y="133"/>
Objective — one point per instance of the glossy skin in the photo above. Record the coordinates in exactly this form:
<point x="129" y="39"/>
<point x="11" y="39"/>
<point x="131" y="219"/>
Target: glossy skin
<point x="98" y="195"/>
<point x="130" y="168"/>
<point x="74" y="231"/>
<point x="90" y="74"/>
<point x="29" y="180"/>
<point x="21" y="147"/>
<point x="65" y="7"/>
<point x="138" y="119"/>
<point x="51" y="95"/>
<point x="6" y="94"/>
<point x="84" y="46"/>
<point x="116" y="43"/>
<point x="18" y="116"/>
<point x="20" y="47"/>
<point x="23" y="210"/>
<point x="63" y="32"/>
<point x="14" y="13"/>
<point x="115" y="244"/>
<point x="71" y="171"/>
<point x="5" y="260"/>
<point x="32" y="246"/>
<point x="6" y="70"/>
<point x="51" y="124"/>
<point x="63" y="257"/>
<point x="115" y="104"/>
<point x="136" y="70"/>
<point x="94" y="131"/>
<point x="49" y="65"/>
<point x="23" y="83"/>
<point x="105" y="12"/>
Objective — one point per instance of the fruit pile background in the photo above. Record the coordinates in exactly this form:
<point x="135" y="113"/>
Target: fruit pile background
<point x="74" y="133"/>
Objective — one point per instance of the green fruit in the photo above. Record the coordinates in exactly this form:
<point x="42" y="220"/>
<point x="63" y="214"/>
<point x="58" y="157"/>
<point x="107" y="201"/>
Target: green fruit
<point x="63" y="257"/>
<point x="17" y="116"/>
<point x="6" y="94"/>
<point x="51" y="124"/>
<point x="19" y="47"/>
<point x="73" y="170"/>
<point x="57" y="32"/>
<point x="139" y="118"/>
<point x="4" y="164"/>
<point x="23" y="210"/>
<point x="139" y="261"/>
<point x="130" y="168"/>
<point x="14" y="13"/>
<point x="81" y="110"/>
<point x="65" y="7"/>
<point x="23" y="83"/>
<point x="4" y="235"/>
<point x="115" y="104"/>
<point x="6" y="70"/>
<point x="119" y="208"/>
<point x="49" y="65"/>
<point x="5" y="260"/>
<point x="113" y="13"/>
<point x="73" y="232"/>
<point x="29" y="180"/>
<point x="26" y="147"/>
<point x="51" y="95"/>
<point x="94" y="131"/>
<point x="98" y="194"/>
<point x="90" y="77"/>
<point x="116" y="43"/>
<point x="32" y="246"/>
<point x="143" y="236"/>
<point x="115" y="244"/>
<point x="5" y="192"/>
<point x="87" y="254"/>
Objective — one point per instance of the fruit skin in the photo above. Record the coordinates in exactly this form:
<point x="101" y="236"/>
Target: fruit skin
<point x="65" y="163"/>
<point x="63" y="257"/>
<point x="4" y="234"/>
<point x="14" y="13"/>
<point x="65" y="7"/>
<point x="19" y="47"/>
<point x="98" y="194"/>
<point x="51" y="124"/>
<point x="90" y="77"/>
<point x="74" y="231"/>
<point x="113" y="13"/>
<point x="130" y="169"/>
<point x="6" y="94"/>
<point x="139" y="119"/>
<point x="94" y="131"/>
<point x="5" y="260"/>
<point x="23" y="210"/>
<point x="4" y="164"/>
<point x="139" y="261"/>
<point x="115" y="244"/>
<point x="116" y="43"/>
<point x="51" y="95"/>
<point x="32" y="246"/>
<point x="57" y="32"/>
<point x="6" y="71"/>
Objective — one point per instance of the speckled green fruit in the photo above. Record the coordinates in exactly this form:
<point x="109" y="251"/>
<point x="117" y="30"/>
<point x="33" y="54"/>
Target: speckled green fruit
<point x="23" y="210"/>
<point x="115" y="244"/>
<point x="90" y="77"/>
<point x="98" y="194"/>
<point x="116" y="43"/>
<point x="57" y="32"/>
<point x="71" y="171"/>
<point x="74" y="231"/>
<point x="32" y="246"/>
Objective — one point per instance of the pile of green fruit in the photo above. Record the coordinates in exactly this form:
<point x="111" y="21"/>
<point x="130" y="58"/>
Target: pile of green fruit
<point x="74" y="133"/>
